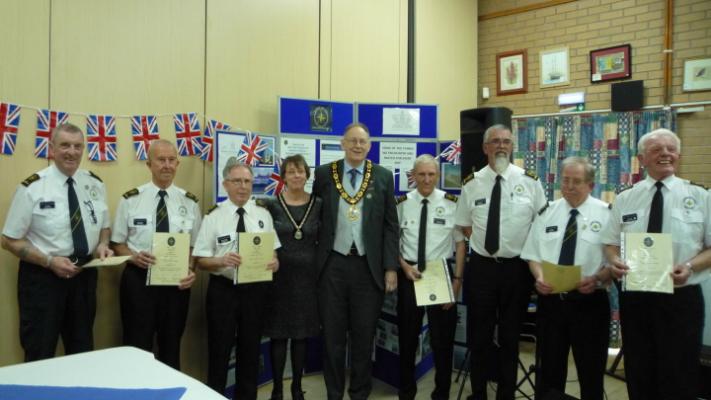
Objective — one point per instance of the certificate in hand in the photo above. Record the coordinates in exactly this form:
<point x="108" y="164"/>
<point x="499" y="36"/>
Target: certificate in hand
<point x="107" y="262"/>
<point x="256" y="250"/>
<point x="435" y="286"/>
<point x="651" y="260"/>
<point x="172" y="253"/>
<point x="562" y="278"/>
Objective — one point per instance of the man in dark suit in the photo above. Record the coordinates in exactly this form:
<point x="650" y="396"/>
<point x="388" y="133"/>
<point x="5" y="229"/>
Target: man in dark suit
<point x="357" y="259"/>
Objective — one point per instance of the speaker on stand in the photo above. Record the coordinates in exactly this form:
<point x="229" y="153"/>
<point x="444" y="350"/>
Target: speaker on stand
<point x="473" y="123"/>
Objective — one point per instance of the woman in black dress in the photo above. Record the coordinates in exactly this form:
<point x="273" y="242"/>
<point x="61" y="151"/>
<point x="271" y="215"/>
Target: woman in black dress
<point x="294" y="311"/>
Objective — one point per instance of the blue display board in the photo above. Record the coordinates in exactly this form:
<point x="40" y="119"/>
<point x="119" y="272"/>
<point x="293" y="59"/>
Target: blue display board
<point x="314" y="117"/>
<point x="372" y="116"/>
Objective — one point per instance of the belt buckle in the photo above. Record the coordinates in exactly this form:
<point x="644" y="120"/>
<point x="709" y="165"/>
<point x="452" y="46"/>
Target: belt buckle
<point x="497" y="260"/>
<point x="74" y="259"/>
<point x="563" y="295"/>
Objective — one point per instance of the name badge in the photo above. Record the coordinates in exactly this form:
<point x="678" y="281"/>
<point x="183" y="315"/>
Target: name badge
<point x="479" y="202"/>
<point x="439" y="221"/>
<point x="550" y="229"/>
<point x="629" y="217"/>
<point x="223" y="239"/>
<point x="140" y="221"/>
<point x="46" y="204"/>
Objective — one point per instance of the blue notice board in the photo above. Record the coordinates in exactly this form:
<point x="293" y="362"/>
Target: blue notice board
<point x="313" y="116"/>
<point x="372" y="116"/>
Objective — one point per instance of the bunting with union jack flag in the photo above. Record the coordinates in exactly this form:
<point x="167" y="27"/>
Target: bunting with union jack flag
<point x="252" y="146"/>
<point x="144" y="129"/>
<point x="453" y="152"/>
<point x="9" y="123"/>
<point x="101" y="137"/>
<point x="46" y="121"/>
<point x="275" y="186"/>
<point x="187" y="134"/>
<point x="208" y="138"/>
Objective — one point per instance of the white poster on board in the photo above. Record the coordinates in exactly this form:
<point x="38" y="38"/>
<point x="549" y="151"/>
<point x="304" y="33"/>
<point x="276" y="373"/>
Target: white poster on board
<point x="401" y="121"/>
<point x="398" y="156"/>
<point x="229" y="146"/>
<point x="330" y="150"/>
<point x="304" y="146"/>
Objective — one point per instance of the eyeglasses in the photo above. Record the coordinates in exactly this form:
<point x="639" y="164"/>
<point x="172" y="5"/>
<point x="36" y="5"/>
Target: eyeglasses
<point x="498" y="142"/>
<point x="237" y="181"/>
<point x="353" y="141"/>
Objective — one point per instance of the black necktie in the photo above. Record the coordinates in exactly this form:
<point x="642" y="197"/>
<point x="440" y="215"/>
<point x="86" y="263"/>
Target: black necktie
<point x="567" y="250"/>
<point x="162" y="222"/>
<point x="353" y="173"/>
<point x="240" y="221"/>
<point x="656" y="213"/>
<point x="81" y="247"/>
<point x="491" y="241"/>
<point x="422" y="238"/>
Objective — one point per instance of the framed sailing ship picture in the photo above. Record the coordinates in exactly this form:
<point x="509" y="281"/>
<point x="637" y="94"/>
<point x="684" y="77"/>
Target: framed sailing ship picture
<point x="511" y="73"/>
<point x="555" y="67"/>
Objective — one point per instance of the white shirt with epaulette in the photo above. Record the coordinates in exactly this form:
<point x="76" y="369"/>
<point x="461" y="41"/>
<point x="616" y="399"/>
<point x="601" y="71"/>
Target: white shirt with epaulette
<point x="687" y="217"/>
<point x="39" y="210"/>
<point x="521" y="198"/>
<point x="545" y="238"/>
<point x="218" y="232"/>
<point x="441" y="232"/>
<point x="135" y="220"/>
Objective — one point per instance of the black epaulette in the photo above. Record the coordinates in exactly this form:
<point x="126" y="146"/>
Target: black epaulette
<point x="623" y="188"/>
<point x="130" y="193"/>
<point x="400" y="199"/>
<point x="30" y="180"/>
<point x="451" y="197"/>
<point x="531" y="174"/>
<point x="93" y="175"/>
<point x="261" y="202"/>
<point x="191" y="196"/>
<point x="213" y="208"/>
<point x="699" y="185"/>
<point x="467" y="179"/>
<point x="609" y="206"/>
<point x="543" y="209"/>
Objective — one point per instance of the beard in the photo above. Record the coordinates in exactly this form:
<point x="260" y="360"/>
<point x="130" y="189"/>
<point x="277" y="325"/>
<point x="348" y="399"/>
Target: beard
<point x="501" y="162"/>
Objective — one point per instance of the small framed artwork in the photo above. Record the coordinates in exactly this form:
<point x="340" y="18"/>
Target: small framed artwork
<point x="555" y="67"/>
<point x="611" y="63"/>
<point x="511" y="73"/>
<point x="451" y="176"/>
<point x="697" y="75"/>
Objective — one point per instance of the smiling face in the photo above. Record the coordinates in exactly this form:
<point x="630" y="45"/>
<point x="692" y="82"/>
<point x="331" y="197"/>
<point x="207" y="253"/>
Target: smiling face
<point x="66" y="148"/>
<point x="238" y="185"/>
<point x="356" y="144"/>
<point x="163" y="163"/>
<point x="295" y="176"/>
<point x="660" y="158"/>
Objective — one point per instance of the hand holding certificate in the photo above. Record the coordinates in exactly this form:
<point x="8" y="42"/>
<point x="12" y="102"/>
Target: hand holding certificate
<point x="172" y="254"/>
<point x="256" y="251"/>
<point x="434" y="285"/>
<point x="106" y="262"/>
<point x="561" y="278"/>
<point x="650" y="260"/>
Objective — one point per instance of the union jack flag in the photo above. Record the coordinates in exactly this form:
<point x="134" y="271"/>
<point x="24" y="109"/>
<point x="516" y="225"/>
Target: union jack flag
<point x="101" y="137"/>
<point x="187" y="134"/>
<point x="453" y="152"/>
<point x="251" y="147"/>
<point x="411" y="178"/>
<point x="9" y="122"/>
<point x="144" y="128"/>
<point x="275" y="186"/>
<point x="46" y="121"/>
<point x="209" y="136"/>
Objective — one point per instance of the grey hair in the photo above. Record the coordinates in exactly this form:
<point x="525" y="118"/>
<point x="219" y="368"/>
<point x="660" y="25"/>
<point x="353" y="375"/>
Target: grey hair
<point x="494" y="128"/>
<point x="231" y="164"/>
<point x="356" y="125"/>
<point x="160" y="142"/>
<point x="588" y="168"/>
<point x="425" y="159"/>
<point x="66" y="127"/>
<point x="657" y="133"/>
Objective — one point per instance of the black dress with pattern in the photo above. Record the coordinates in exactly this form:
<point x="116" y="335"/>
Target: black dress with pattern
<point x="293" y="308"/>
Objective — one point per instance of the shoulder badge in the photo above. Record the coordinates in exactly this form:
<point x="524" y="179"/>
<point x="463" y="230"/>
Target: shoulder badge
<point x="609" y="206"/>
<point x="699" y="185"/>
<point x="400" y="199"/>
<point x="213" y="208"/>
<point x="191" y="196"/>
<point x="261" y="202"/>
<point x="543" y="209"/>
<point x="467" y="179"/>
<point x="30" y="180"/>
<point x="130" y="193"/>
<point x="623" y="188"/>
<point x="93" y="175"/>
<point x="451" y="197"/>
<point x="531" y="174"/>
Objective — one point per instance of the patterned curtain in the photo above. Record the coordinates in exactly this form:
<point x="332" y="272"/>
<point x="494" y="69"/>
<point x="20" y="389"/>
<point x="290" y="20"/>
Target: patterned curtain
<point x="609" y="141"/>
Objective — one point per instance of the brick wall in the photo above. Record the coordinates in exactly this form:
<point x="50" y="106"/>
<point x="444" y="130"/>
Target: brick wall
<point x="587" y="25"/>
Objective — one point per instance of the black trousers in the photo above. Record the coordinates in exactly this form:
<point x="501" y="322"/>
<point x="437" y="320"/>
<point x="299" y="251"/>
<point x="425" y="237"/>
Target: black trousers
<point x="442" y="325"/>
<point x="498" y="292"/>
<point x="662" y="336"/>
<point x="572" y="320"/>
<point x="349" y="304"/>
<point x="153" y="311"/>
<point x="51" y="306"/>
<point x="234" y="317"/>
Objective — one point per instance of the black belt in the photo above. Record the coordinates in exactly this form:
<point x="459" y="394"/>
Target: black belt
<point x="576" y="295"/>
<point x="498" y="260"/>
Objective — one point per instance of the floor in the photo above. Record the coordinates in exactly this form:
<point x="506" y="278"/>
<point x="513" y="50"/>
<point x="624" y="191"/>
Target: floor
<point x="316" y="390"/>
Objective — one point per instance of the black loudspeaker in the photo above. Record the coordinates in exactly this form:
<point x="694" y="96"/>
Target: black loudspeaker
<point x="473" y="123"/>
<point x="627" y="96"/>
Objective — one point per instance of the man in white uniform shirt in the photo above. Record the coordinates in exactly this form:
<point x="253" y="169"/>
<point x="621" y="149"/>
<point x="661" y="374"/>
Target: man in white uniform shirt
<point x="157" y="206"/>
<point x="662" y="332"/>
<point x="568" y="232"/>
<point x="234" y="312"/>
<point x="430" y="211"/>
<point x="496" y="210"/>
<point x="58" y="220"/>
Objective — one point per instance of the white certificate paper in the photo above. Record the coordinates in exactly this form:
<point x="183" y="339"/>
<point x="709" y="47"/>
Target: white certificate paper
<point x="172" y="253"/>
<point x="651" y="261"/>
<point x="435" y="286"/>
<point x="256" y="250"/>
<point x="108" y="262"/>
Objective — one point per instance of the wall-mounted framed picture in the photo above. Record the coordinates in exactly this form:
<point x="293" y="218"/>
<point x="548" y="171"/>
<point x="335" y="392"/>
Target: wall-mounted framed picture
<point x="555" y="67"/>
<point x="697" y="74"/>
<point x="611" y="63"/>
<point x="511" y="72"/>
